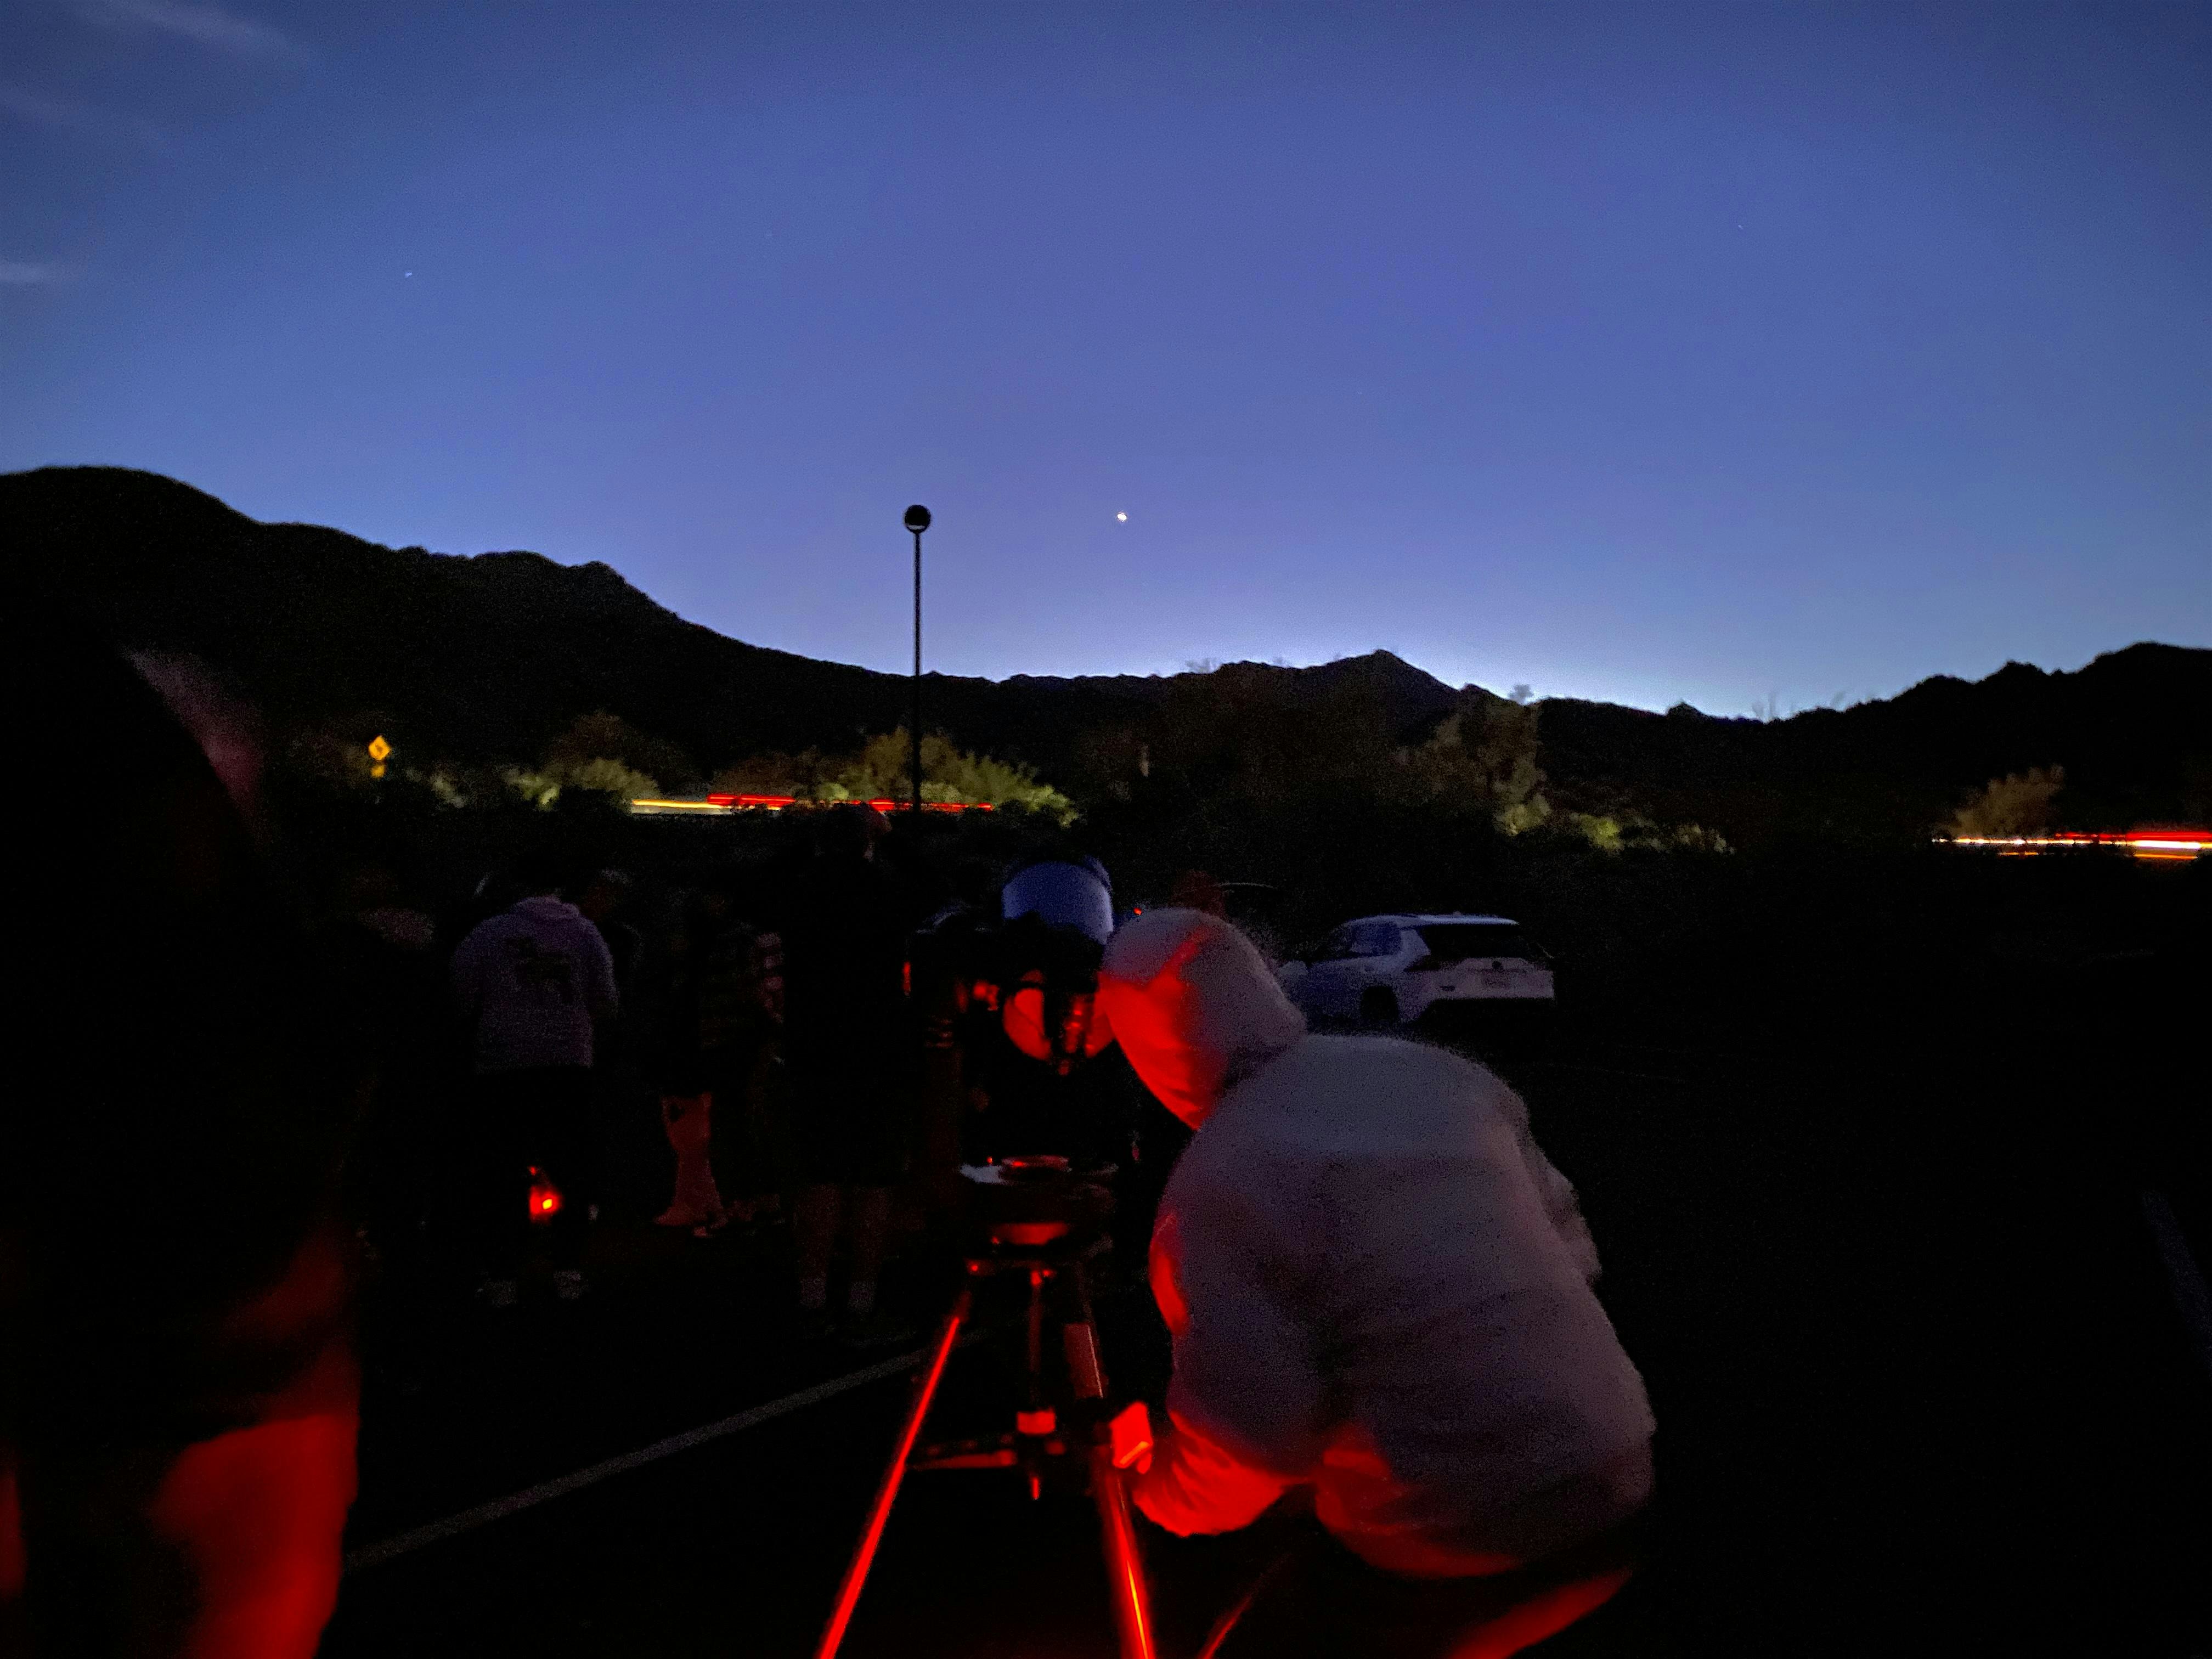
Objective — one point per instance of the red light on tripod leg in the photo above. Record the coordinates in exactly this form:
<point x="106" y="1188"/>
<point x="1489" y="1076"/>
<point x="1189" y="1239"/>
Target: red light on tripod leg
<point x="1132" y="1437"/>
<point x="544" y="1196"/>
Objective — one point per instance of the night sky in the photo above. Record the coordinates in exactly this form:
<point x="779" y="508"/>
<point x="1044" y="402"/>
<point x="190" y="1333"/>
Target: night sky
<point x="1639" y="351"/>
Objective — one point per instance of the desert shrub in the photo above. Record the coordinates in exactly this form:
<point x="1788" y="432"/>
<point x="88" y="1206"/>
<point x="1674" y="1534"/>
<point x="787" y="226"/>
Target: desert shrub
<point x="599" y="776"/>
<point x="594" y="738"/>
<point x="2018" y="803"/>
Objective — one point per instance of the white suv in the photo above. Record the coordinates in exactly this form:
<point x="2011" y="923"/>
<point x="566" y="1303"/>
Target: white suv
<point x="1390" y="970"/>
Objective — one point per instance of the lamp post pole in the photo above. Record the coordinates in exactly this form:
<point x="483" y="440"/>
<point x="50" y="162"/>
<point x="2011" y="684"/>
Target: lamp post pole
<point x="917" y="521"/>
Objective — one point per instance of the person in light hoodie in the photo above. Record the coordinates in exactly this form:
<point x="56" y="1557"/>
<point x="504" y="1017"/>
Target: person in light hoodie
<point x="1379" y="1292"/>
<point x="533" y="983"/>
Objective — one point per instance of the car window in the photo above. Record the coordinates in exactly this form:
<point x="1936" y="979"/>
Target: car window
<point x="1336" y="946"/>
<point x="1375" y="939"/>
<point x="1455" y="941"/>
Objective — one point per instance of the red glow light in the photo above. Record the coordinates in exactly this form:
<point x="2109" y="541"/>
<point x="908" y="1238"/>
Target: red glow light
<point x="1133" y="1436"/>
<point x="544" y="1196"/>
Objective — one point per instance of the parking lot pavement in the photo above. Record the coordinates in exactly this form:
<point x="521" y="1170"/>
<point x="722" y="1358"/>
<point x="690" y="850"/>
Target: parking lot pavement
<point x="733" y="1543"/>
<point x="1920" y="1383"/>
<point x="463" y="1403"/>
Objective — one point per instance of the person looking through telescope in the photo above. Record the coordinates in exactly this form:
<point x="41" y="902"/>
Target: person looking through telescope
<point x="1379" y="1293"/>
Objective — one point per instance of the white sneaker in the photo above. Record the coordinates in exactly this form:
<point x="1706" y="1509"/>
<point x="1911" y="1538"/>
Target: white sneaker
<point x="569" y="1285"/>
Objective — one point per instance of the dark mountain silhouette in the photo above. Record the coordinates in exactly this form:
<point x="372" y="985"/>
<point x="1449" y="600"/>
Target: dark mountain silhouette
<point x="2129" y="728"/>
<point x="489" y="656"/>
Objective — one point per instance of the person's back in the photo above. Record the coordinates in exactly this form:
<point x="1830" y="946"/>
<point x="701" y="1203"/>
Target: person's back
<point x="602" y="903"/>
<point x="532" y="979"/>
<point x="844" y="945"/>
<point x="1476" y="1402"/>
<point x="738" y="1001"/>
<point x="532" y="982"/>
<point x="1378" y="1291"/>
<point x="848" y="1038"/>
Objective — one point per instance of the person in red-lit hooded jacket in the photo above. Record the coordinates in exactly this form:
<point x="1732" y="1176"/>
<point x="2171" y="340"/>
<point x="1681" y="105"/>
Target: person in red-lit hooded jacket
<point x="177" y="1381"/>
<point x="1379" y="1292"/>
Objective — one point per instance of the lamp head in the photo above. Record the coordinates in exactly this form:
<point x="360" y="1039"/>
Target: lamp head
<point x="917" y="518"/>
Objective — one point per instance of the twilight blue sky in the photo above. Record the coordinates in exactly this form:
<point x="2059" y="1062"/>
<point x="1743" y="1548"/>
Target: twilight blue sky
<point x="1632" y="350"/>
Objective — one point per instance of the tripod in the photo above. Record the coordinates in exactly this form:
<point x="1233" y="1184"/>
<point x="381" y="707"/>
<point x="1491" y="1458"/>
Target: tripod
<point x="1050" y="1254"/>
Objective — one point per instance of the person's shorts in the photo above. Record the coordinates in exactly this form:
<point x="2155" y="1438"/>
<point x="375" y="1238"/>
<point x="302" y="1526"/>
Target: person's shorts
<point x="852" y="1115"/>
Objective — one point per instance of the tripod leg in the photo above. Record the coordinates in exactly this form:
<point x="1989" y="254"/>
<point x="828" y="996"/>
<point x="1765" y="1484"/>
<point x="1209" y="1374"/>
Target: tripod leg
<point x="1034" y="1338"/>
<point x="1125" y="1564"/>
<point x="856" y="1575"/>
<point x="1036" y="1422"/>
<point x="1117" y="1528"/>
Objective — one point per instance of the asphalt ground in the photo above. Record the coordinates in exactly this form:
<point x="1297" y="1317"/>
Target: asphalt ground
<point x="1922" y="1383"/>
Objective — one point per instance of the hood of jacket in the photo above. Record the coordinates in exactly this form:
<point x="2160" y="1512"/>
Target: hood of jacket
<point x="1194" y="1006"/>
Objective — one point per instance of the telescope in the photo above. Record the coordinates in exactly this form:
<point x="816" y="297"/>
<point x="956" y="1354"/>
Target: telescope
<point x="1009" y="1005"/>
<point x="1034" y="970"/>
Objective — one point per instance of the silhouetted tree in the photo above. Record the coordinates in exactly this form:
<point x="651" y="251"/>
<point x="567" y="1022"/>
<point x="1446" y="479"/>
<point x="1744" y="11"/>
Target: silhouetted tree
<point x="1485" y="752"/>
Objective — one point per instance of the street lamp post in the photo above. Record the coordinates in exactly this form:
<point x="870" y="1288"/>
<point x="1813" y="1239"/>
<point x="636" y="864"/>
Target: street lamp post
<point x="917" y="521"/>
